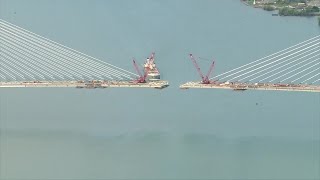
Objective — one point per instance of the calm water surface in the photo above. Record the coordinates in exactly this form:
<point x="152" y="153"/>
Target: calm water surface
<point x="165" y="134"/>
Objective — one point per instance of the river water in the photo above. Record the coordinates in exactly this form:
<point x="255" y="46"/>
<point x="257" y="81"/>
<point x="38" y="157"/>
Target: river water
<point x="160" y="134"/>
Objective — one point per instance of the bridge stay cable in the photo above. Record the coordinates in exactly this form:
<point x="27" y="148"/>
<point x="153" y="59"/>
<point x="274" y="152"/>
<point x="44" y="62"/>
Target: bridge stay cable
<point x="38" y="50"/>
<point x="280" y="63"/>
<point x="55" y="54"/>
<point x="31" y="56"/>
<point x="275" y="72"/>
<point x="40" y="64"/>
<point x="272" y="56"/>
<point x="288" y="68"/>
<point x="273" y="62"/>
<point x="299" y="72"/>
<point x="66" y="48"/>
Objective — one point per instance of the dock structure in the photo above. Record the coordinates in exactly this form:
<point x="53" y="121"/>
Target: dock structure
<point x="30" y="60"/>
<point x="296" y="68"/>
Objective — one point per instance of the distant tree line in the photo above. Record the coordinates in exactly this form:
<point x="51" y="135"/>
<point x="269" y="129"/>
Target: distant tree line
<point x="269" y="8"/>
<point x="308" y="11"/>
<point x="290" y="1"/>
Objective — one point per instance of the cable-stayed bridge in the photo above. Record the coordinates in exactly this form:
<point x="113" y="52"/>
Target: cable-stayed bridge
<point x="296" y="68"/>
<point x="30" y="60"/>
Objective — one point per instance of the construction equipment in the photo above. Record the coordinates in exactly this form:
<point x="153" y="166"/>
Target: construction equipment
<point x="151" y="68"/>
<point x="152" y="57"/>
<point x="205" y="79"/>
<point x="141" y="78"/>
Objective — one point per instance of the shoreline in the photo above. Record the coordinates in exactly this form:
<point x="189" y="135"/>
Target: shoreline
<point x="289" y="9"/>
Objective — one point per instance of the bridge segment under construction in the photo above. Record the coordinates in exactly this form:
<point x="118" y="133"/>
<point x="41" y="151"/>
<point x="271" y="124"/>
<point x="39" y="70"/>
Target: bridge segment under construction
<point x="248" y="86"/>
<point x="85" y="84"/>
<point x="296" y="68"/>
<point x="30" y="60"/>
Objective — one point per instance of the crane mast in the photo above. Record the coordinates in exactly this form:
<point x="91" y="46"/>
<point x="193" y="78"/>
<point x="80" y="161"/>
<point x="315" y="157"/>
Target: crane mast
<point x="196" y="66"/>
<point x="205" y="79"/>
<point x="142" y="78"/>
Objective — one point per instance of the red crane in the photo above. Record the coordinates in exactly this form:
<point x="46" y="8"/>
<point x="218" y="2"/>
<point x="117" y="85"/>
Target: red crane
<point x="142" y="78"/>
<point x="205" y="79"/>
<point x="151" y="58"/>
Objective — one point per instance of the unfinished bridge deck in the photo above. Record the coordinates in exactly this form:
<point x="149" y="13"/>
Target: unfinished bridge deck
<point x="248" y="86"/>
<point x="83" y="84"/>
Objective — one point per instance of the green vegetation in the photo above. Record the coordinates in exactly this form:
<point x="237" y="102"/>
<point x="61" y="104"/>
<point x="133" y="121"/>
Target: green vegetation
<point x="250" y="2"/>
<point x="282" y="2"/>
<point x="289" y="2"/>
<point x="269" y="8"/>
<point x="288" y="7"/>
<point x="308" y="11"/>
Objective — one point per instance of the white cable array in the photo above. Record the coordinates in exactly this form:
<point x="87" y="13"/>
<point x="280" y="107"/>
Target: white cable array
<point x="311" y="77"/>
<point x="12" y="71"/>
<point x="28" y="56"/>
<point x="301" y="72"/>
<point x="65" y="64"/>
<point x="11" y="57"/>
<point x="314" y="50"/>
<point x="6" y="73"/>
<point x="25" y="73"/>
<point x="306" y="74"/>
<point x="62" y="51"/>
<point x="2" y="76"/>
<point x="284" y="70"/>
<point x="277" y="54"/>
<point x="297" y="62"/>
<point x="36" y="59"/>
<point x="36" y="49"/>
<point x="56" y="45"/>
<point x="29" y="59"/>
<point x="65" y="47"/>
<point x="247" y="72"/>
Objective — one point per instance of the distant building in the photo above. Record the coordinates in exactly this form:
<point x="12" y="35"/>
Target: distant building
<point x="302" y="4"/>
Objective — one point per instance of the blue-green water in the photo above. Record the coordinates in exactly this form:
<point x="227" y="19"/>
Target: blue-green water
<point x="164" y="134"/>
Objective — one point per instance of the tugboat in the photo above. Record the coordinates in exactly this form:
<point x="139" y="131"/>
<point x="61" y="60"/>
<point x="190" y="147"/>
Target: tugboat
<point x="150" y="67"/>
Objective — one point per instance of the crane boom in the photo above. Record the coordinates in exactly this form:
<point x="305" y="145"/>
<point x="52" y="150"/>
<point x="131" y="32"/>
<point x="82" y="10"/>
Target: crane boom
<point x="151" y="58"/>
<point x="142" y="78"/>
<point x="209" y="72"/>
<point x="197" y="67"/>
<point x="205" y="79"/>
<point x="137" y="68"/>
